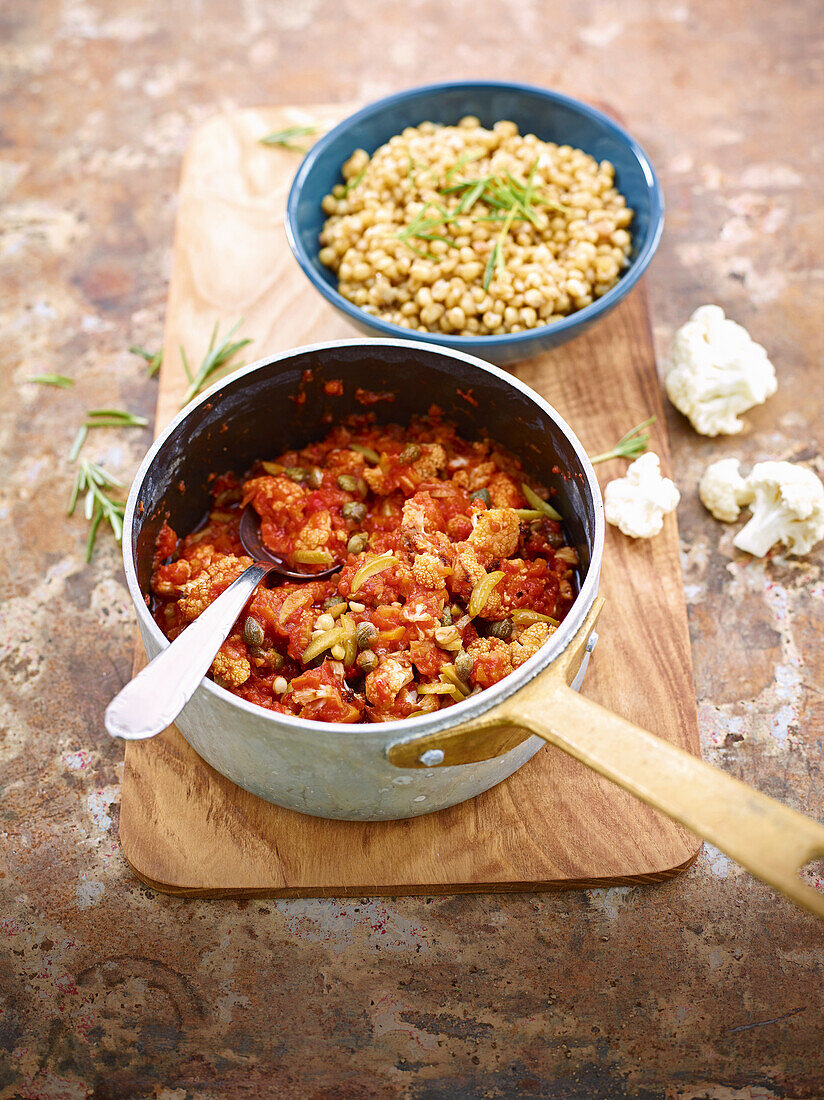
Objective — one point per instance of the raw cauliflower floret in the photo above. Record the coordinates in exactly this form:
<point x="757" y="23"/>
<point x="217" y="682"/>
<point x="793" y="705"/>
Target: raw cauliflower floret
<point x="496" y="532"/>
<point x="638" y="502"/>
<point x="723" y="490"/>
<point x="716" y="371"/>
<point x="787" y="506"/>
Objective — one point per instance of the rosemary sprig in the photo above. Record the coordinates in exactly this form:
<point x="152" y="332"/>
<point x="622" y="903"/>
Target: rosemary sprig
<point x="95" y="482"/>
<point x="113" y="418"/>
<point x="285" y="138"/>
<point x="470" y="197"/>
<point x="217" y="356"/>
<point x="60" y="380"/>
<point x="79" y="440"/>
<point x="631" y="445"/>
<point x="503" y="192"/>
<point x="153" y="359"/>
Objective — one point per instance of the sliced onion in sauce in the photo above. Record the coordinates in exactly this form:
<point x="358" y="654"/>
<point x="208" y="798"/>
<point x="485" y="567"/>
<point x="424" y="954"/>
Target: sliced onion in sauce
<point x="482" y="591"/>
<point x="536" y="502"/>
<point x="370" y="568"/>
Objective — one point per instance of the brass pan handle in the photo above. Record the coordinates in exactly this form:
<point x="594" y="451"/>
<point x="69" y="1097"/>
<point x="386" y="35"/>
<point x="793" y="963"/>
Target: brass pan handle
<point x="769" y="839"/>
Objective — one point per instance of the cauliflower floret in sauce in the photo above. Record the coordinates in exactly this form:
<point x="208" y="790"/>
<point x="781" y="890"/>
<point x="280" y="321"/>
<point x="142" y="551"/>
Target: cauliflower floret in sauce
<point x="429" y="571"/>
<point x="491" y="661"/>
<point x="506" y="492"/>
<point x="316" y="533"/>
<point x="496" y="533"/>
<point x="432" y="460"/>
<point x="203" y="589"/>
<point x="230" y="668"/>
<point x="528" y="643"/>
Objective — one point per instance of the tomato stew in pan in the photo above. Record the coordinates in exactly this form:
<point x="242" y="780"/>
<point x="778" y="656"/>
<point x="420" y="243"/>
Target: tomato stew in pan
<point x="453" y="572"/>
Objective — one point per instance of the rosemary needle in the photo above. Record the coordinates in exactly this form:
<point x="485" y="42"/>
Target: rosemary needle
<point x="631" y="445"/>
<point x="285" y="138"/>
<point x="217" y="356"/>
<point x="59" y="380"/>
<point x="113" y="418"/>
<point x="154" y="359"/>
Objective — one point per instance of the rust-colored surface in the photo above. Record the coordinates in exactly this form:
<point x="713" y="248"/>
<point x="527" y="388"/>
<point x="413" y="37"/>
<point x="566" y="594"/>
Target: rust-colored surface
<point x="708" y="986"/>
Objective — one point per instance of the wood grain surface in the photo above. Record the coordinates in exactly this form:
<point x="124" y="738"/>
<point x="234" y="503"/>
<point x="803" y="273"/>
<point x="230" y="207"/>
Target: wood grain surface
<point x="185" y="829"/>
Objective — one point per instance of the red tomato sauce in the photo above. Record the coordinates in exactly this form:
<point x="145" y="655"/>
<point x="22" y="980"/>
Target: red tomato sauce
<point x="447" y="581"/>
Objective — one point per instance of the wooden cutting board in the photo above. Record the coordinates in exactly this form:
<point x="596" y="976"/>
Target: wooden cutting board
<point x="185" y="829"/>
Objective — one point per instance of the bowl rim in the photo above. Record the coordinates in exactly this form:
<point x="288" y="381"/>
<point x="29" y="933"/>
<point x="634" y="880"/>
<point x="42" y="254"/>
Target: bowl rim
<point x="480" y="344"/>
<point x="469" y="709"/>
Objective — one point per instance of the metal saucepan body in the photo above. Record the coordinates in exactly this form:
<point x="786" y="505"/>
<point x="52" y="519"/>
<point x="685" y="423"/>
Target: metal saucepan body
<point x="329" y="769"/>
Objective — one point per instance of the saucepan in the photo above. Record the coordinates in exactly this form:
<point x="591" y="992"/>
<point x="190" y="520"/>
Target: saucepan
<point x="391" y="770"/>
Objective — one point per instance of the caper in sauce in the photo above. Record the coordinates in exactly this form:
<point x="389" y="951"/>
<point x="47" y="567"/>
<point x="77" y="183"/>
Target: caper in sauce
<point x="501" y="629"/>
<point x="367" y="660"/>
<point x="355" y="510"/>
<point x="358" y="543"/>
<point x="366" y="635"/>
<point x="463" y="665"/>
<point x="253" y="633"/>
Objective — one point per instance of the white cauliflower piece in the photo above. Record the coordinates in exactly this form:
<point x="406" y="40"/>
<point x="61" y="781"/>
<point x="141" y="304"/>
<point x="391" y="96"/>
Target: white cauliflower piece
<point x="723" y="490"/>
<point x="787" y="506"/>
<point x="716" y="371"/>
<point x="496" y="532"/>
<point x="638" y="502"/>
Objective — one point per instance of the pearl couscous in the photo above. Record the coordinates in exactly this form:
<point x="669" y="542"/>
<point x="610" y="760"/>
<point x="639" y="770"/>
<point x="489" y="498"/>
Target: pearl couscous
<point x="467" y="231"/>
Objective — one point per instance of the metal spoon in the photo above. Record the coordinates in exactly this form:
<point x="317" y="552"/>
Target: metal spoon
<point x="154" y="698"/>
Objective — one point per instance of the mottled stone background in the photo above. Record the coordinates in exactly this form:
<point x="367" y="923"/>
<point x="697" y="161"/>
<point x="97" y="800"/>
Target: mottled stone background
<point x="707" y="987"/>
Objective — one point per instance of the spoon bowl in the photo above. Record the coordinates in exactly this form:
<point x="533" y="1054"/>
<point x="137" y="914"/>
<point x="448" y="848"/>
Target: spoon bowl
<point x="249" y="531"/>
<point x="154" y="698"/>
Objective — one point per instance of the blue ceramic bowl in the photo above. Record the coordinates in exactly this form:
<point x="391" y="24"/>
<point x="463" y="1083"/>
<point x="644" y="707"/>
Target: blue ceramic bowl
<point x="548" y="115"/>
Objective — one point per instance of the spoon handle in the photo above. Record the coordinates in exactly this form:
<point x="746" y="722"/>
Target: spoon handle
<point x="154" y="698"/>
